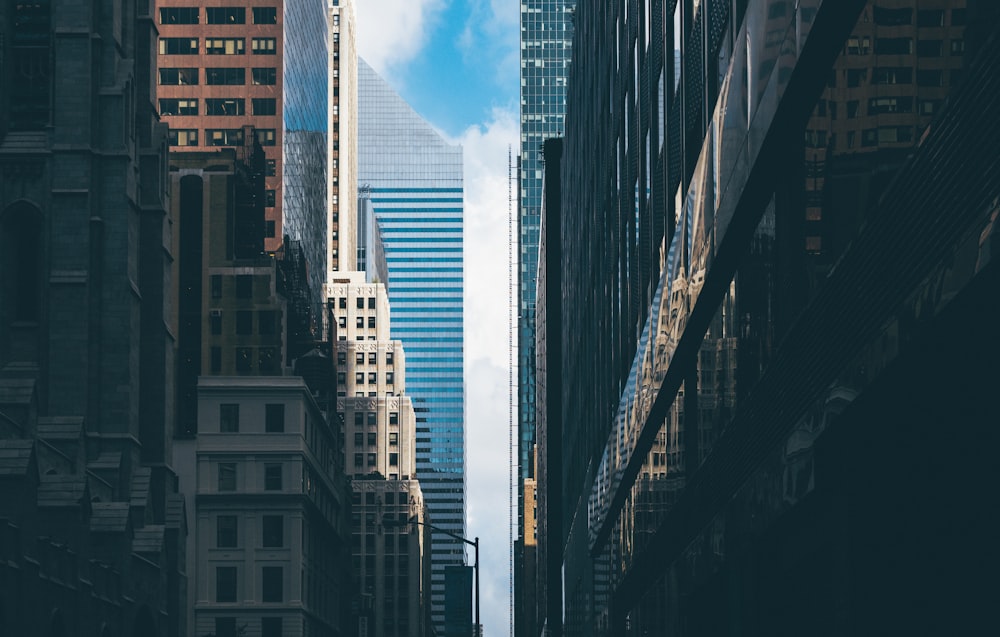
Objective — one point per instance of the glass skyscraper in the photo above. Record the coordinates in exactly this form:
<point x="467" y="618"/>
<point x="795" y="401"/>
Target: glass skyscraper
<point x="415" y="180"/>
<point x="546" y="46"/>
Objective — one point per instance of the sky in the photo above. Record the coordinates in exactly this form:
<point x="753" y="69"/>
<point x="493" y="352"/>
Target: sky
<point x="456" y="62"/>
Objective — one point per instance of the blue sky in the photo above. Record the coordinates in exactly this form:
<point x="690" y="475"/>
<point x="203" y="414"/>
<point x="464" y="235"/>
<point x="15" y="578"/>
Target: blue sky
<point x="456" y="62"/>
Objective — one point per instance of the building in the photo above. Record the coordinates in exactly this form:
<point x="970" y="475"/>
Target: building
<point x="221" y="68"/>
<point x="458" y="620"/>
<point x="258" y="447"/>
<point x="389" y="533"/>
<point x="371" y="248"/>
<point x="771" y="415"/>
<point x="415" y="179"/>
<point x="91" y="525"/>
<point x="546" y="48"/>
<point x="343" y="142"/>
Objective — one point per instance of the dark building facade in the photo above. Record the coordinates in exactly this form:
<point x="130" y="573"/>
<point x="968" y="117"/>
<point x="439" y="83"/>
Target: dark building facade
<point x="91" y="526"/>
<point x="777" y="224"/>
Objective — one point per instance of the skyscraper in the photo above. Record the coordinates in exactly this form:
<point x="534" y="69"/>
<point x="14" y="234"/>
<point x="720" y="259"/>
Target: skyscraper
<point x="220" y="68"/>
<point x="415" y="178"/>
<point x="546" y="45"/>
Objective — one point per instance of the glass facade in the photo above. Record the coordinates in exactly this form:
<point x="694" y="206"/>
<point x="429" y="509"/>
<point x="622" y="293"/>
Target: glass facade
<point x="774" y="262"/>
<point x="415" y="181"/>
<point x="304" y="154"/>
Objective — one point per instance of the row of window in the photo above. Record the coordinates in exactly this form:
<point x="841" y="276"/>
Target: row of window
<point x="359" y="459"/>
<point x="879" y="106"/>
<point x="359" y="357"/>
<point x="267" y="321"/>
<point x="219" y="106"/>
<point x="896" y="75"/>
<point x="862" y="45"/>
<point x="218" y="76"/>
<point x="218" y="15"/>
<point x="359" y="378"/>
<point x="372" y="418"/>
<point x="219" y="136"/>
<point x="247" y="360"/>
<point x="226" y="481"/>
<point x="891" y="17"/>
<point x="272" y="532"/>
<point x="218" y="46"/>
<point x="272" y="584"/>
<point x="229" y="418"/>
<point x="372" y="438"/>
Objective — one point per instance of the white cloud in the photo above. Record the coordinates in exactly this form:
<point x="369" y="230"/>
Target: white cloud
<point x="487" y="356"/>
<point x="391" y="33"/>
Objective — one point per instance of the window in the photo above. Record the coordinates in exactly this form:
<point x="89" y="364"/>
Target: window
<point x="178" y="106"/>
<point x="930" y="18"/>
<point x="892" y="17"/>
<point x="394" y="459"/>
<point x="179" y="15"/>
<point x="225" y="106"/>
<point x="268" y="360"/>
<point x="372" y="378"/>
<point x="388" y="358"/>
<point x="371" y="321"/>
<point x="894" y="134"/>
<point x="215" y="322"/>
<point x="216" y="359"/>
<point x="244" y="359"/>
<point x="244" y="286"/>
<point x="359" y="418"/>
<point x="892" y="75"/>
<point x="879" y="105"/>
<point x="360" y="303"/>
<point x="390" y="378"/>
<point x="272" y="584"/>
<point x="393" y="417"/>
<point x="371" y="460"/>
<point x="227" y="476"/>
<point x="393" y="439"/>
<point x="270" y="626"/>
<point x="359" y="321"/>
<point x="372" y="438"/>
<point x="244" y="322"/>
<point x="226" y="76"/>
<point x="264" y="76"/>
<point x="893" y="46"/>
<point x="372" y="358"/>
<point x="341" y="358"/>
<point x="359" y="459"/>
<point x="274" y="418"/>
<point x="183" y="137"/>
<point x="273" y="532"/>
<point x="957" y="47"/>
<point x="178" y="46"/>
<point x="224" y="46"/>
<point x="179" y="77"/>
<point x="270" y="198"/>
<point x="852" y="108"/>
<point x="371" y="302"/>
<point x="869" y="137"/>
<point x="359" y="439"/>
<point x="341" y="378"/>
<point x="225" y="627"/>
<point x="267" y="321"/>
<point x="272" y="477"/>
<point x="372" y="418"/>
<point x="928" y="77"/>
<point x="263" y="46"/>
<point x="359" y="378"/>
<point x="229" y="418"/>
<point x="264" y="105"/>
<point x="929" y="48"/>
<point x="224" y="137"/>
<point x="266" y="136"/>
<point x="215" y="282"/>
<point x="265" y="15"/>
<point x="272" y="168"/>
<point x="856" y="77"/>
<point x="225" y="583"/>
<point x="226" y="15"/>
<point x="225" y="532"/>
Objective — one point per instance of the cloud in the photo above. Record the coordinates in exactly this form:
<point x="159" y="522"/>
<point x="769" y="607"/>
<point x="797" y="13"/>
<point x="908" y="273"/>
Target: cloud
<point x="487" y="282"/>
<point x="391" y="33"/>
<point x="490" y="39"/>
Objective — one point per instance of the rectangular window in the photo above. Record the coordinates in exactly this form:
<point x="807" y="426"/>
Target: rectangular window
<point x="225" y="532"/>
<point x="394" y="459"/>
<point x="372" y="418"/>
<point x="216" y="359"/>
<point x="359" y="459"/>
<point x="892" y="17"/>
<point x="393" y="417"/>
<point x="215" y="323"/>
<point x="244" y="322"/>
<point x="930" y="18"/>
<point x="341" y="378"/>
<point x="226" y="76"/>
<point x="265" y="15"/>
<point x="390" y="378"/>
<point x="372" y="438"/>
<point x="266" y="136"/>
<point x="244" y="286"/>
<point x="359" y="378"/>
<point x="264" y="76"/>
<point x="273" y="531"/>
<point x="272" y="168"/>
<point x="856" y="77"/>
<point x="892" y="75"/>
<point x="929" y="48"/>
<point x="244" y="359"/>
<point x="359" y="439"/>
<point x="359" y="321"/>
<point x="274" y="418"/>
<point x="371" y="321"/>
<point x="225" y="46"/>
<point x="270" y="229"/>
<point x="372" y="378"/>
<point x="264" y="46"/>
<point x="179" y="77"/>
<point x="216" y="284"/>
<point x="227" y="476"/>
<point x="372" y="358"/>
<point x="880" y="105"/>
<point x="929" y="77"/>
<point x="371" y="460"/>
<point x="270" y="626"/>
<point x="179" y="15"/>
<point x="182" y="137"/>
<point x="229" y="418"/>
<point x="225" y="106"/>
<point x="388" y="358"/>
<point x="272" y="477"/>
<point x="174" y="106"/>
<point x="224" y="137"/>
<point x="371" y="302"/>
<point x="957" y="47"/>
<point x="225" y="583"/>
<point x="893" y="46"/>
<point x="271" y="585"/>
<point x="178" y="46"/>
<point x="226" y="15"/>
<point x="264" y="105"/>
<point x="268" y="362"/>
<point x="225" y="627"/>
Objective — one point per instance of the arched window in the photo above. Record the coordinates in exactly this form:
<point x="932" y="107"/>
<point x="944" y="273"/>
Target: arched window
<point x="21" y="258"/>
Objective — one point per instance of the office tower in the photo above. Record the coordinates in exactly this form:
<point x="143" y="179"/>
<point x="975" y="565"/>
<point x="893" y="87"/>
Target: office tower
<point x="260" y="456"/>
<point x="343" y="142"/>
<point x="89" y="539"/>
<point x="388" y="512"/>
<point x="771" y="320"/>
<point x="371" y="248"/>
<point x="220" y="68"/>
<point x="415" y="178"/>
<point x="546" y="48"/>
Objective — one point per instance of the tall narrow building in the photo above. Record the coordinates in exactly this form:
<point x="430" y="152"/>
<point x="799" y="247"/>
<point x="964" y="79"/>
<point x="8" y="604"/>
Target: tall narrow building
<point x="415" y="180"/>
<point x="343" y="140"/>
<point x="222" y="67"/>
<point x="546" y="47"/>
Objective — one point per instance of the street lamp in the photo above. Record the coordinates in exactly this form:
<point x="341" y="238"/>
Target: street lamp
<point x="474" y="544"/>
